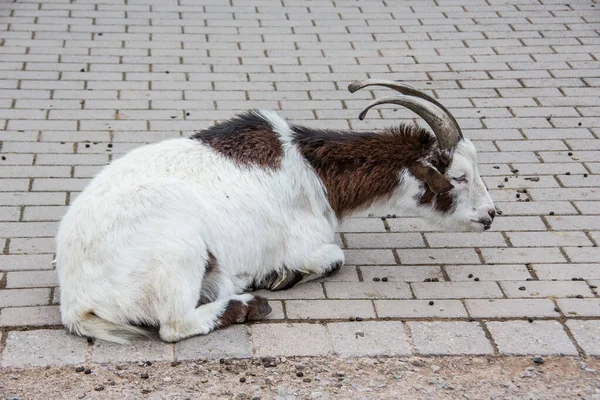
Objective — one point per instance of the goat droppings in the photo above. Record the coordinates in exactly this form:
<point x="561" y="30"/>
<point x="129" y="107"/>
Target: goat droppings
<point x="384" y="279"/>
<point x="522" y="288"/>
<point x="470" y="276"/>
<point x="431" y="302"/>
<point x="376" y="279"/>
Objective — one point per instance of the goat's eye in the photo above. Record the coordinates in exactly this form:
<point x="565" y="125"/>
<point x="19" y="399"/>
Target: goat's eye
<point x="462" y="178"/>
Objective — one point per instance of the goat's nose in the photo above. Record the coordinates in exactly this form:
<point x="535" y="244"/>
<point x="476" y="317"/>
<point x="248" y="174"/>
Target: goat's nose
<point x="492" y="213"/>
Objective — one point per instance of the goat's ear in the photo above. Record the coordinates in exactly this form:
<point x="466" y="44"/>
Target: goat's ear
<point x="432" y="177"/>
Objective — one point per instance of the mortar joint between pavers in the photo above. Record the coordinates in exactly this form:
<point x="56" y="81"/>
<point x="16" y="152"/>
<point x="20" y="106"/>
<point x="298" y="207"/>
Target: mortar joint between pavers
<point x="409" y="338"/>
<point x="579" y="349"/>
<point x="489" y="337"/>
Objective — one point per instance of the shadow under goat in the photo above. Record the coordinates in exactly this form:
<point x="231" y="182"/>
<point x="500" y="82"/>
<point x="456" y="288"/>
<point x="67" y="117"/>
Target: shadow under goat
<point x="174" y="234"/>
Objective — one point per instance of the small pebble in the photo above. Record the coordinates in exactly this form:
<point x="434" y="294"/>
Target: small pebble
<point x="476" y="279"/>
<point x="537" y="360"/>
<point x="175" y="363"/>
<point x="242" y="379"/>
<point x="376" y="279"/>
<point x="431" y="302"/>
<point x="299" y="374"/>
<point x="384" y="279"/>
<point x="470" y="276"/>
<point x="144" y="376"/>
<point x="307" y="380"/>
<point x="522" y="288"/>
<point x="87" y="371"/>
<point x="79" y="369"/>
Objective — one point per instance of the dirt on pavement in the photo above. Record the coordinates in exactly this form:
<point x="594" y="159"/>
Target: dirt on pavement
<point x="313" y="378"/>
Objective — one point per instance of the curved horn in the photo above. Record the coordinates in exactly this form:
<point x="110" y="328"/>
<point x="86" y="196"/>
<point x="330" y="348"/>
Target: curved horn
<point x="404" y="89"/>
<point x="443" y="128"/>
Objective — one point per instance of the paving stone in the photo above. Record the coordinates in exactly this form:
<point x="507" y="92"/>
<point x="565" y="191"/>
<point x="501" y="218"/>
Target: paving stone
<point x="24" y="297"/>
<point x="443" y="338"/>
<point x="290" y="340"/>
<point x="548" y="239"/>
<point x="233" y="341"/>
<point x="371" y="338"/>
<point x="438" y="256"/>
<point x="30" y="316"/>
<point x="30" y="279"/>
<point x="329" y="309"/>
<point x="587" y="335"/>
<point x="367" y="290"/>
<point x="420" y="309"/>
<point x="456" y="290"/>
<point x="310" y="290"/>
<point x="363" y="257"/>
<point x="25" y="262"/>
<point x="399" y="273"/>
<point x="487" y="272"/>
<point x="537" y="337"/>
<point x="511" y="308"/>
<point x="142" y="349"/>
<point x="567" y="271"/>
<point x="573" y="308"/>
<point x="383" y="240"/>
<point x="40" y="348"/>
<point x="522" y="255"/>
<point x="462" y="239"/>
<point x="545" y="289"/>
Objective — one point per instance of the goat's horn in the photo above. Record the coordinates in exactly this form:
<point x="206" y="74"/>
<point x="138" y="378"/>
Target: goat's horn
<point x="407" y="90"/>
<point x="443" y="128"/>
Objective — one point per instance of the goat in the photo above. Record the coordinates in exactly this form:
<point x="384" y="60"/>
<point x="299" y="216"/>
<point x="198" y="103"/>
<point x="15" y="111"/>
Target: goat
<point x="174" y="234"/>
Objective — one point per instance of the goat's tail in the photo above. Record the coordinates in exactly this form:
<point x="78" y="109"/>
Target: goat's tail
<point x="90" y="325"/>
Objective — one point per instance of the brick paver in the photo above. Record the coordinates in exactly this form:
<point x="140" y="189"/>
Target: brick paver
<point x="521" y="77"/>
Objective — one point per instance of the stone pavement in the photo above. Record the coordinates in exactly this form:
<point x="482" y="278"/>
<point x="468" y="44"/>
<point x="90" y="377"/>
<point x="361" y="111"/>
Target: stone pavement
<point x="84" y="81"/>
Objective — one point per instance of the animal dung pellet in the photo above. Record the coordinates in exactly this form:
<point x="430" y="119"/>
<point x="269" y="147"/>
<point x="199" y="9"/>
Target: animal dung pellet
<point x="551" y="213"/>
<point x="87" y="146"/>
<point x="359" y="319"/>
<point x="173" y="116"/>
<point x="427" y="280"/>
<point x="585" y="175"/>
<point x="470" y="276"/>
<point x="376" y="279"/>
<point x="579" y="296"/>
<point x="87" y="371"/>
<point x="518" y="195"/>
<point x="522" y="288"/>
<point x="556" y="309"/>
<point x="530" y="319"/>
<point x="79" y="369"/>
<point x="570" y="153"/>
<point x="99" y="388"/>
<point x="524" y="190"/>
<point x="307" y="380"/>
<point x="548" y="118"/>
<point x="529" y="279"/>
<point x="476" y="279"/>
<point x="299" y="374"/>
<point x="384" y="279"/>
<point x="431" y="302"/>
<point x="167" y="72"/>
<point x="579" y="124"/>
<point x="3" y="158"/>
<point x="187" y="114"/>
<point x="242" y="379"/>
<point x="352" y="319"/>
<point x="109" y="145"/>
<point x="527" y="199"/>
<point x="505" y="179"/>
<point x="82" y="70"/>
<point x="537" y="360"/>
<point x="567" y="173"/>
<point x="496" y="167"/>
<point x="500" y="186"/>
<point x="144" y="376"/>
<point x="383" y="218"/>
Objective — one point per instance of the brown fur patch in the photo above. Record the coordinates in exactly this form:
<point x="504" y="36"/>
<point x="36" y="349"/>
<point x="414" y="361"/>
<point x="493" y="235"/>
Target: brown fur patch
<point x="360" y="168"/>
<point x="246" y="139"/>
<point x="238" y="312"/>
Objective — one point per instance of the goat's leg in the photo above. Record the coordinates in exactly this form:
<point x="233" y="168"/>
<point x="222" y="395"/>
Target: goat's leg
<point x="326" y="260"/>
<point x="215" y="315"/>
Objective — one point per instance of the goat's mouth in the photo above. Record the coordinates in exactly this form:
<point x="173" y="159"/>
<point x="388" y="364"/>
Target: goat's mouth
<point x="481" y="225"/>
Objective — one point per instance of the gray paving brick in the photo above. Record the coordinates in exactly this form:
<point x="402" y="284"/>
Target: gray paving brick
<point x="487" y="272"/>
<point x="443" y="338"/>
<point x="522" y="255"/>
<point x="310" y="290"/>
<point x="580" y="307"/>
<point x="329" y="309"/>
<point x="420" y="309"/>
<point x="384" y="240"/>
<point x="438" y="256"/>
<point x="537" y="337"/>
<point x="367" y="290"/>
<point x="290" y="340"/>
<point x="40" y="348"/>
<point x="587" y="334"/>
<point x="25" y="262"/>
<point x="24" y="297"/>
<point x="361" y="339"/>
<point x="402" y="273"/>
<point x="145" y="349"/>
<point x="362" y="257"/>
<point x="545" y="289"/>
<point x="463" y="239"/>
<point x="567" y="271"/>
<point x="456" y="290"/>
<point x="29" y="316"/>
<point x="233" y="341"/>
<point x="511" y="308"/>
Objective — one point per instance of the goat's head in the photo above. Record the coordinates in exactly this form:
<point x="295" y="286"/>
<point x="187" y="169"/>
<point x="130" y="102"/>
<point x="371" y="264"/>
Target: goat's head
<point x="450" y="193"/>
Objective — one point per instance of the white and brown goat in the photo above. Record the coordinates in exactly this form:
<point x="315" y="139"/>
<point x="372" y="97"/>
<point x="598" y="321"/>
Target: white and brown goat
<point x="174" y="234"/>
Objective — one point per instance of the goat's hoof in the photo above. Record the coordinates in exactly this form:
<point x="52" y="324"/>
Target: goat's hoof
<point x="334" y="268"/>
<point x="258" y="308"/>
<point x="286" y="280"/>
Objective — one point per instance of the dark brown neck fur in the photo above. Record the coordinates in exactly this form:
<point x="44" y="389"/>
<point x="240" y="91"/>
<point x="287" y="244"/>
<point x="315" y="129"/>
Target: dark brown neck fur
<point x="359" y="168"/>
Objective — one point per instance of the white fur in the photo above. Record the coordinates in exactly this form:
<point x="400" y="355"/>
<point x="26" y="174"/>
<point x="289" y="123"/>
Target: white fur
<point x="134" y="246"/>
